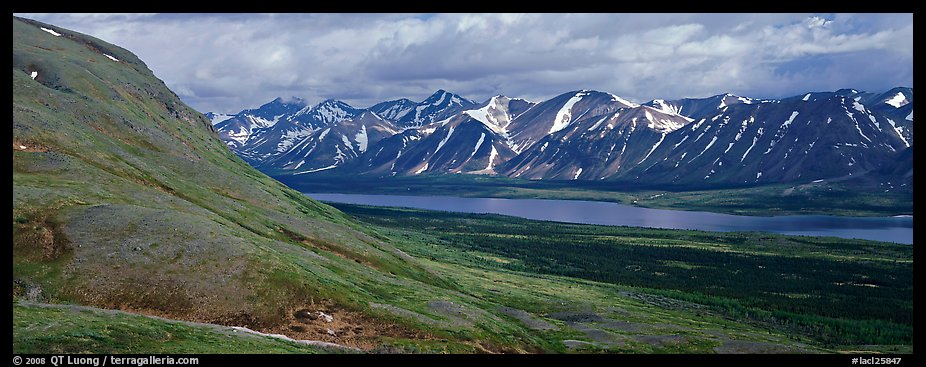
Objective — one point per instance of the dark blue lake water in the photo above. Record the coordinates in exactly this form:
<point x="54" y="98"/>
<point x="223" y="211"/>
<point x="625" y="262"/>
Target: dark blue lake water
<point x="891" y="229"/>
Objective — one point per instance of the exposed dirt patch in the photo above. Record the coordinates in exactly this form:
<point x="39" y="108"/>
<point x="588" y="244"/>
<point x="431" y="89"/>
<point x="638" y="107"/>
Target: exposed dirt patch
<point x="457" y="314"/>
<point x="528" y="319"/>
<point x="576" y="344"/>
<point x="39" y="239"/>
<point x="750" y="347"/>
<point x="577" y="316"/>
<point x="731" y="346"/>
<point x="626" y="326"/>
<point x="662" y="340"/>
<point x="322" y="245"/>
<point x="398" y="311"/>
<point x="335" y="324"/>
<point x="597" y="335"/>
<point x="28" y="291"/>
<point x="219" y="328"/>
<point x="25" y="146"/>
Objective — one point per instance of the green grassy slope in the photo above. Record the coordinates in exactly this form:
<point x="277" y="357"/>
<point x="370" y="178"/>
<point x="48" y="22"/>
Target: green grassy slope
<point x="43" y="330"/>
<point x="123" y="197"/>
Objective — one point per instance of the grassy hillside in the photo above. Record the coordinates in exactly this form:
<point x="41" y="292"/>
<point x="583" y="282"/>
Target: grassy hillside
<point x="123" y="197"/>
<point x="64" y="329"/>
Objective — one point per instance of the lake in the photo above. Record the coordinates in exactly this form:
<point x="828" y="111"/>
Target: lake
<point x="890" y="229"/>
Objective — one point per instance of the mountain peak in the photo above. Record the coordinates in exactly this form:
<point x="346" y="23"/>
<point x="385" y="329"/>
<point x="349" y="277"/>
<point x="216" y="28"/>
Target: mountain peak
<point x="290" y="101"/>
<point x="332" y="102"/>
<point x="847" y="92"/>
<point x="438" y="95"/>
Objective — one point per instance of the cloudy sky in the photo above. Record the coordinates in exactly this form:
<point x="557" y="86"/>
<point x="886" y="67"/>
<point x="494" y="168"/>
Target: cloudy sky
<point x="228" y="62"/>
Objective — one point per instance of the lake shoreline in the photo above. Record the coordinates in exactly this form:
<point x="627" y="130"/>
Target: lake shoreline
<point x="888" y="229"/>
<point x="814" y="198"/>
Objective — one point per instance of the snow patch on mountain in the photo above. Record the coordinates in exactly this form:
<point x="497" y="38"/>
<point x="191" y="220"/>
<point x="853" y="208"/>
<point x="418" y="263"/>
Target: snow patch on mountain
<point x="564" y="116"/>
<point x="347" y="142"/>
<point x="444" y="141"/>
<point x="663" y="124"/>
<point x="896" y="130"/>
<point x="788" y="122"/>
<point x="595" y="126"/>
<point x="492" y="158"/>
<point x="754" y="140"/>
<point x="362" y="139"/>
<point x="665" y="107"/>
<point x="661" y="138"/>
<point x="317" y="169"/>
<point x="713" y="140"/>
<point x="488" y="115"/>
<point x="219" y="117"/>
<point x="291" y="137"/>
<point x="323" y="134"/>
<point x="53" y="33"/>
<point x="578" y="172"/>
<point x="898" y="100"/>
<point x="482" y="137"/>
<point x="620" y="100"/>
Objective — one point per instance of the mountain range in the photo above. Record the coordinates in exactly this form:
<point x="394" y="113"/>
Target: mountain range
<point x="586" y="135"/>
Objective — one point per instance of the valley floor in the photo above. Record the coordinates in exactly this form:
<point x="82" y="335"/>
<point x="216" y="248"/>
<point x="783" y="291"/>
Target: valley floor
<point x="529" y="286"/>
<point x="801" y="294"/>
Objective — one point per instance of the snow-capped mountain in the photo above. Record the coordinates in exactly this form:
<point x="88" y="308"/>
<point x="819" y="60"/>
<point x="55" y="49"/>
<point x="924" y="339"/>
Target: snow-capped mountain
<point x="438" y="106"/>
<point x="589" y="135"/>
<point x="216" y="118"/>
<point x="556" y="114"/>
<point x="461" y="144"/>
<point x="261" y="135"/>
<point x="325" y="114"/>
<point x="339" y="142"/>
<point x="897" y="106"/>
<point x="596" y="147"/>
<point x="775" y="141"/>
<point x="394" y="110"/>
<point x="243" y="127"/>
<point x="697" y="108"/>
<point x="266" y="136"/>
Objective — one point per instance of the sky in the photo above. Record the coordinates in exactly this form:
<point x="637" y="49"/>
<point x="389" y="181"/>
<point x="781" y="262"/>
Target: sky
<point x="229" y="62"/>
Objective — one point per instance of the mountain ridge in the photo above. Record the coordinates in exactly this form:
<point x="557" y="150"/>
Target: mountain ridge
<point x="528" y="129"/>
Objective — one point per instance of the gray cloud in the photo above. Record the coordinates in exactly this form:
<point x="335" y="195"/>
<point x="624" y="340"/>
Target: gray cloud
<point x="228" y="62"/>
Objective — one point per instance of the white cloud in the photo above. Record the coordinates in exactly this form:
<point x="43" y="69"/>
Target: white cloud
<point x="815" y="21"/>
<point x="228" y="62"/>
